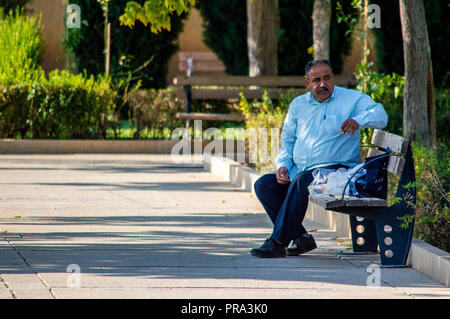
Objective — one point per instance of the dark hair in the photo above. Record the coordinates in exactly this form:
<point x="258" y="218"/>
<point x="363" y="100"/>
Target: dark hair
<point x="312" y="63"/>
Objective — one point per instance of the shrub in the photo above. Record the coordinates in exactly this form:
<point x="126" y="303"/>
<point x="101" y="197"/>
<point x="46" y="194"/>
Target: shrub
<point x="265" y="114"/>
<point x="63" y="105"/>
<point x="432" y="223"/>
<point x="20" y="48"/>
<point x="8" y="5"/>
<point x="153" y="111"/>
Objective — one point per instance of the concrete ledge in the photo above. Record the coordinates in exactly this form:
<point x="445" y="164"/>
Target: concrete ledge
<point x="423" y="257"/>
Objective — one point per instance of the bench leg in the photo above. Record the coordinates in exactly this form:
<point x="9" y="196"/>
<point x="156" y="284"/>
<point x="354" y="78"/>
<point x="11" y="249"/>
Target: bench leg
<point x="394" y="241"/>
<point x="364" y="235"/>
<point x="395" y="228"/>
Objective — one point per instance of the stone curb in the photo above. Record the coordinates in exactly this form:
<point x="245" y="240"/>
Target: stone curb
<point x="423" y="257"/>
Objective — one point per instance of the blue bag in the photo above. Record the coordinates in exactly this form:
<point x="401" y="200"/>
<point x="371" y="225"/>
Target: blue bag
<point x="371" y="180"/>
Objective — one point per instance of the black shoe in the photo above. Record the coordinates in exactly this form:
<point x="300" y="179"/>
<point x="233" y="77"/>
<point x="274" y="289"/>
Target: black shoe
<point x="270" y="249"/>
<point x="301" y="245"/>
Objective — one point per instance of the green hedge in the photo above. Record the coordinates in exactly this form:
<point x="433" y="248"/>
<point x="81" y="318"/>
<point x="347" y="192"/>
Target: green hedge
<point x="35" y="105"/>
<point x="64" y="106"/>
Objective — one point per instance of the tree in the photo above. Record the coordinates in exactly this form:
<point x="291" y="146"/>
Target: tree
<point x="154" y="12"/>
<point x="135" y="50"/>
<point x="262" y="36"/>
<point x="416" y="60"/>
<point x="321" y="29"/>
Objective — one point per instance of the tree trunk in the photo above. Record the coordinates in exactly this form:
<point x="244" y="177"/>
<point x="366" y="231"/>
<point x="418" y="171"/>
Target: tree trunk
<point x="321" y="29"/>
<point x="415" y="47"/>
<point x="262" y="36"/>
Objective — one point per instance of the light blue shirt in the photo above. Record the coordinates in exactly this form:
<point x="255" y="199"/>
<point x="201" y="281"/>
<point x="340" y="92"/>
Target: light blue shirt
<point x="311" y="135"/>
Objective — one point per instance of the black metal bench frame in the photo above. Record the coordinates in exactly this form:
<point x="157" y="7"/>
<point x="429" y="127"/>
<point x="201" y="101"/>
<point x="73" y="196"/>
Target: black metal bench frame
<point x="373" y="223"/>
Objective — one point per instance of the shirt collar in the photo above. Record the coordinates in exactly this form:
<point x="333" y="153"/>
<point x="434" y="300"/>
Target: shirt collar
<point x="313" y="100"/>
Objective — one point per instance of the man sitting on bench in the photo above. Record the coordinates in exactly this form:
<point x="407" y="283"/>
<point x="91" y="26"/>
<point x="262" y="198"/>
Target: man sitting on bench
<point x="321" y="129"/>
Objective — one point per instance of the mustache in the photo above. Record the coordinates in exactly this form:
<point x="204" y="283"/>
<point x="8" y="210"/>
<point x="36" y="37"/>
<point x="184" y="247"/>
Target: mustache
<point x="322" y="90"/>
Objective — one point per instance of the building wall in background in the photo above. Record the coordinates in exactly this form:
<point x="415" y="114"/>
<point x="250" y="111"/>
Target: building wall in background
<point x="52" y="12"/>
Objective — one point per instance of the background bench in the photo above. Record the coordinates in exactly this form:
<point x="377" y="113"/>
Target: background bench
<point x="222" y="87"/>
<point x="373" y="223"/>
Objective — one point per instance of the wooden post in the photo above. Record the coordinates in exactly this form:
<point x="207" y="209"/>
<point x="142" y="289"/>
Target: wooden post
<point x="107" y="49"/>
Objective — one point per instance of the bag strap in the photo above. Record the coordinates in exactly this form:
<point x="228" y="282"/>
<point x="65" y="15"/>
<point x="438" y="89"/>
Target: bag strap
<point x="387" y="154"/>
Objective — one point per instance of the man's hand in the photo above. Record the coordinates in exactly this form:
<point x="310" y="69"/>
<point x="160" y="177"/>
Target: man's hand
<point x="349" y="127"/>
<point x="282" y="175"/>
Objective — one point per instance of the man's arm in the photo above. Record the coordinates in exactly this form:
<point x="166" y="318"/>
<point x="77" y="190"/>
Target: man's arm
<point x="369" y="114"/>
<point x="288" y="137"/>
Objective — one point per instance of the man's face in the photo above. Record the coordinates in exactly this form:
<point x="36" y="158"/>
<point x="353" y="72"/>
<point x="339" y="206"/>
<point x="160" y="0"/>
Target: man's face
<point x="320" y="81"/>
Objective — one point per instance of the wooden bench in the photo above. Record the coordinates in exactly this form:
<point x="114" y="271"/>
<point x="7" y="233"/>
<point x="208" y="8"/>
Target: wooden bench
<point x="219" y="87"/>
<point x="373" y="223"/>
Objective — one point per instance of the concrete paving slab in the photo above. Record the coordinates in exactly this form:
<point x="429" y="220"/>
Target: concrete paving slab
<point x="140" y="226"/>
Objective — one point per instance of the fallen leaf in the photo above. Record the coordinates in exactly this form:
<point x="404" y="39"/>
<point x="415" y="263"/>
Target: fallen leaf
<point x="223" y="201"/>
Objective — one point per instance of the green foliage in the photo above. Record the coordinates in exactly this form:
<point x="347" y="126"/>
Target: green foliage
<point x="296" y="37"/>
<point x="8" y="5"/>
<point x="64" y="106"/>
<point x="432" y="206"/>
<point x="20" y="47"/>
<point x="227" y="21"/>
<point x="61" y="105"/>
<point x="386" y="89"/>
<point x="157" y="13"/>
<point x="266" y="114"/>
<point x="137" y="51"/>
<point x="389" y="42"/>
<point x="154" y="111"/>
<point x="442" y="97"/>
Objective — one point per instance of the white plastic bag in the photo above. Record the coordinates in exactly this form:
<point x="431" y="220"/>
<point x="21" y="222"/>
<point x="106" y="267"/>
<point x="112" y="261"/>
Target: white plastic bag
<point x="329" y="181"/>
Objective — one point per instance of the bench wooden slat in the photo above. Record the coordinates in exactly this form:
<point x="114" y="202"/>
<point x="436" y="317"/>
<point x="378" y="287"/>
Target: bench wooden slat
<point x="395" y="163"/>
<point x="225" y="94"/>
<point x="330" y="202"/>
<point x="234" y="80"/>
<point x="396" y="143"/>
<point x="210" y="116"/>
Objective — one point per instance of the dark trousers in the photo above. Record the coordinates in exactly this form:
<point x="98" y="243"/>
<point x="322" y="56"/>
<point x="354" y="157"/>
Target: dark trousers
<point x="286" y="204"/>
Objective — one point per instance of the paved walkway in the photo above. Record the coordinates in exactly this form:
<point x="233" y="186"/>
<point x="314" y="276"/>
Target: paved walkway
<point x="140" y="226"/>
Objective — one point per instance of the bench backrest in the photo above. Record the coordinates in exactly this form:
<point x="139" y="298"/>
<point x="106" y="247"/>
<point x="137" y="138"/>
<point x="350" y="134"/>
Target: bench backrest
<point x="396" y="143"/>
